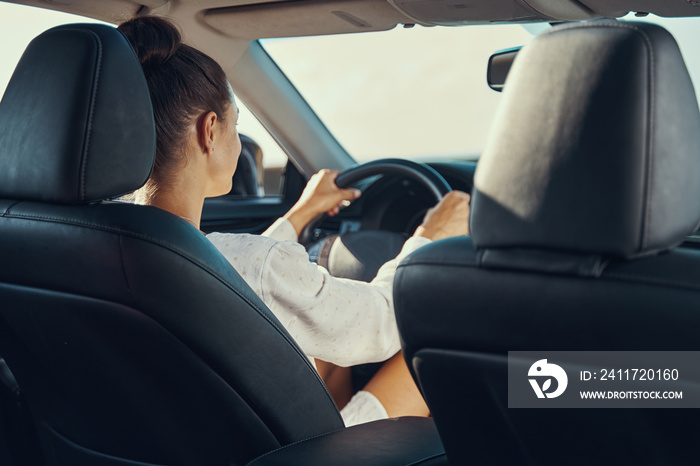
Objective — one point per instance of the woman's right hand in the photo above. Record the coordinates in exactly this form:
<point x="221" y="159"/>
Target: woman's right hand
<point x="321" y="195"/>
<point x="450" y="217"/>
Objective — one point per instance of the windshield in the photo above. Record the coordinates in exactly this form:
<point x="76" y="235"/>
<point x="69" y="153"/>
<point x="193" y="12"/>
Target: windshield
<point x="416" y="93"/>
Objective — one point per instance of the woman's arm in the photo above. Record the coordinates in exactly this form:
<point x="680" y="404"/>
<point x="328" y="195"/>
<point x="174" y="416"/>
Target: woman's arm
<point x="343" y="321"/>
<point x="346" y="322"/>
<point x="321" y="195"/>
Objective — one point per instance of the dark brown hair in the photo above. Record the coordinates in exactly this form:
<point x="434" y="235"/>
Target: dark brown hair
<point x="184" y="84"/>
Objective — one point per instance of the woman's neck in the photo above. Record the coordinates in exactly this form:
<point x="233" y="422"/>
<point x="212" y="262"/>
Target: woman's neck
<point x="182" y="199"/>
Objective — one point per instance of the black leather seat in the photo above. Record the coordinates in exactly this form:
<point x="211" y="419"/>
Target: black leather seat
<point x="133" y="340"/>
<point x="589" y="182"/>
<point x="19" y="445"/>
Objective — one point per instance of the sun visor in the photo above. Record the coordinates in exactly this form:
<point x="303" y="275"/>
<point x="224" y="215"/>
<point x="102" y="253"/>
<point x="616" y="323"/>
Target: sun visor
<point x="456" y="12"/>
<point x="304" y="18"/>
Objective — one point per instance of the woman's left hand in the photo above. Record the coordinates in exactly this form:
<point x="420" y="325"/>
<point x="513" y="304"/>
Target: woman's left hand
<point x="321" y="195"/>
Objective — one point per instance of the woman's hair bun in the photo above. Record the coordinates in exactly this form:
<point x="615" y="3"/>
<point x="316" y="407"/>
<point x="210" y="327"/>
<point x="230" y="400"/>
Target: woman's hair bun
<point x="184" y="84"/>
<point x="154" y="39"/>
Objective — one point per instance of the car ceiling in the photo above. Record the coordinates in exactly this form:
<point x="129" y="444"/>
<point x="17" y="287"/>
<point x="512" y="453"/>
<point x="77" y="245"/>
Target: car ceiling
<point x="224" y="28"/>
<point x="253" y="19"/>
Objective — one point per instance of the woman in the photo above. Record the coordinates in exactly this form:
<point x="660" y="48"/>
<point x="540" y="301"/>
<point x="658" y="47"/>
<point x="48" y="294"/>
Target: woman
<point x="342" y="322"/>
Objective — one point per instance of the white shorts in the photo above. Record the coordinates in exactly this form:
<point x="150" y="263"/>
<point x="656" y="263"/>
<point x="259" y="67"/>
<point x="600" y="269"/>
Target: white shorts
<point x="363" y="407"/>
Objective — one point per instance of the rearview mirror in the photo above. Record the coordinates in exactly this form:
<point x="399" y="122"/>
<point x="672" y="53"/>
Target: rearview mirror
<point x="499" y="66"/>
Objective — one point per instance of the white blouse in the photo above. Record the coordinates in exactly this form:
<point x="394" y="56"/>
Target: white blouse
<point x="342" y="321"/>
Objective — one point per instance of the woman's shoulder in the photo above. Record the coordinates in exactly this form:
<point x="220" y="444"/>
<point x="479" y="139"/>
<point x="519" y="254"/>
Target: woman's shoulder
<point x="248" y="244"/>
<point x="252" y="254"/>
<point x="227" y="241"/>
<point x="247" y="253"/>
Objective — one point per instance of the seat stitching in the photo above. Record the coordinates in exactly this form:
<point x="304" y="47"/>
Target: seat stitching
<point x="430" y="457"/>
<point x="652" y="280"/>
<point x="650" y="143"/>
<point x="123" y="267"/>
<point x="90" y="119"/>
<point x="91" y="112"/>
<point x="398" y="301"/>
<point x="449" y="263"/>
<point x="621" y="276"/>
<point x="295" y="443"/>
<point x="7" y="211"/>
<point x="325" y="435"/>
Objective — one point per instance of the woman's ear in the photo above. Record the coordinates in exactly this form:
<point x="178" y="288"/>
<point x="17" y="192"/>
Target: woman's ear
<point x="205" y="131"/>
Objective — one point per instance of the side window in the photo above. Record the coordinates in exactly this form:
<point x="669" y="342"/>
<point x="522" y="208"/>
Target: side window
<point x="19" y="24"/>
<point x="271" y="159"/>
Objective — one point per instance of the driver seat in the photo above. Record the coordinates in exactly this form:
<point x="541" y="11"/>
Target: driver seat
<point x="134" y="341"/>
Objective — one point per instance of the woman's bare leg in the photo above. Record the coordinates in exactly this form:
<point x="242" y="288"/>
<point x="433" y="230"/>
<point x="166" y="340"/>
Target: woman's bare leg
<point x="338" y="380"/>
<point x="392" y="385"/>
<point x="395" y="389"/>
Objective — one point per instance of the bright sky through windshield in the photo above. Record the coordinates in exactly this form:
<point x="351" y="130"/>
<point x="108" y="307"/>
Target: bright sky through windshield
<point x="414" y="93"/>
<point x="418" y="93"/>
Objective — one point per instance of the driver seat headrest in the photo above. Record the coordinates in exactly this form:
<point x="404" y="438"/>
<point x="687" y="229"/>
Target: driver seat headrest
<point x="596" y="147"/>
<point x="76" y="118"/>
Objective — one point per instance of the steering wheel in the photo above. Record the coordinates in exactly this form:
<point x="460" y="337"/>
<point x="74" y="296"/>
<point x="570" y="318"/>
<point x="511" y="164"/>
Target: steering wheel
<point x="358" y="255"/>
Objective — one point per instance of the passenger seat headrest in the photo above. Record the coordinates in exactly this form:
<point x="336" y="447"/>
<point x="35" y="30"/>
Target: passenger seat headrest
<point x="596" y="146"/>
<point x="76" y="122"/>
